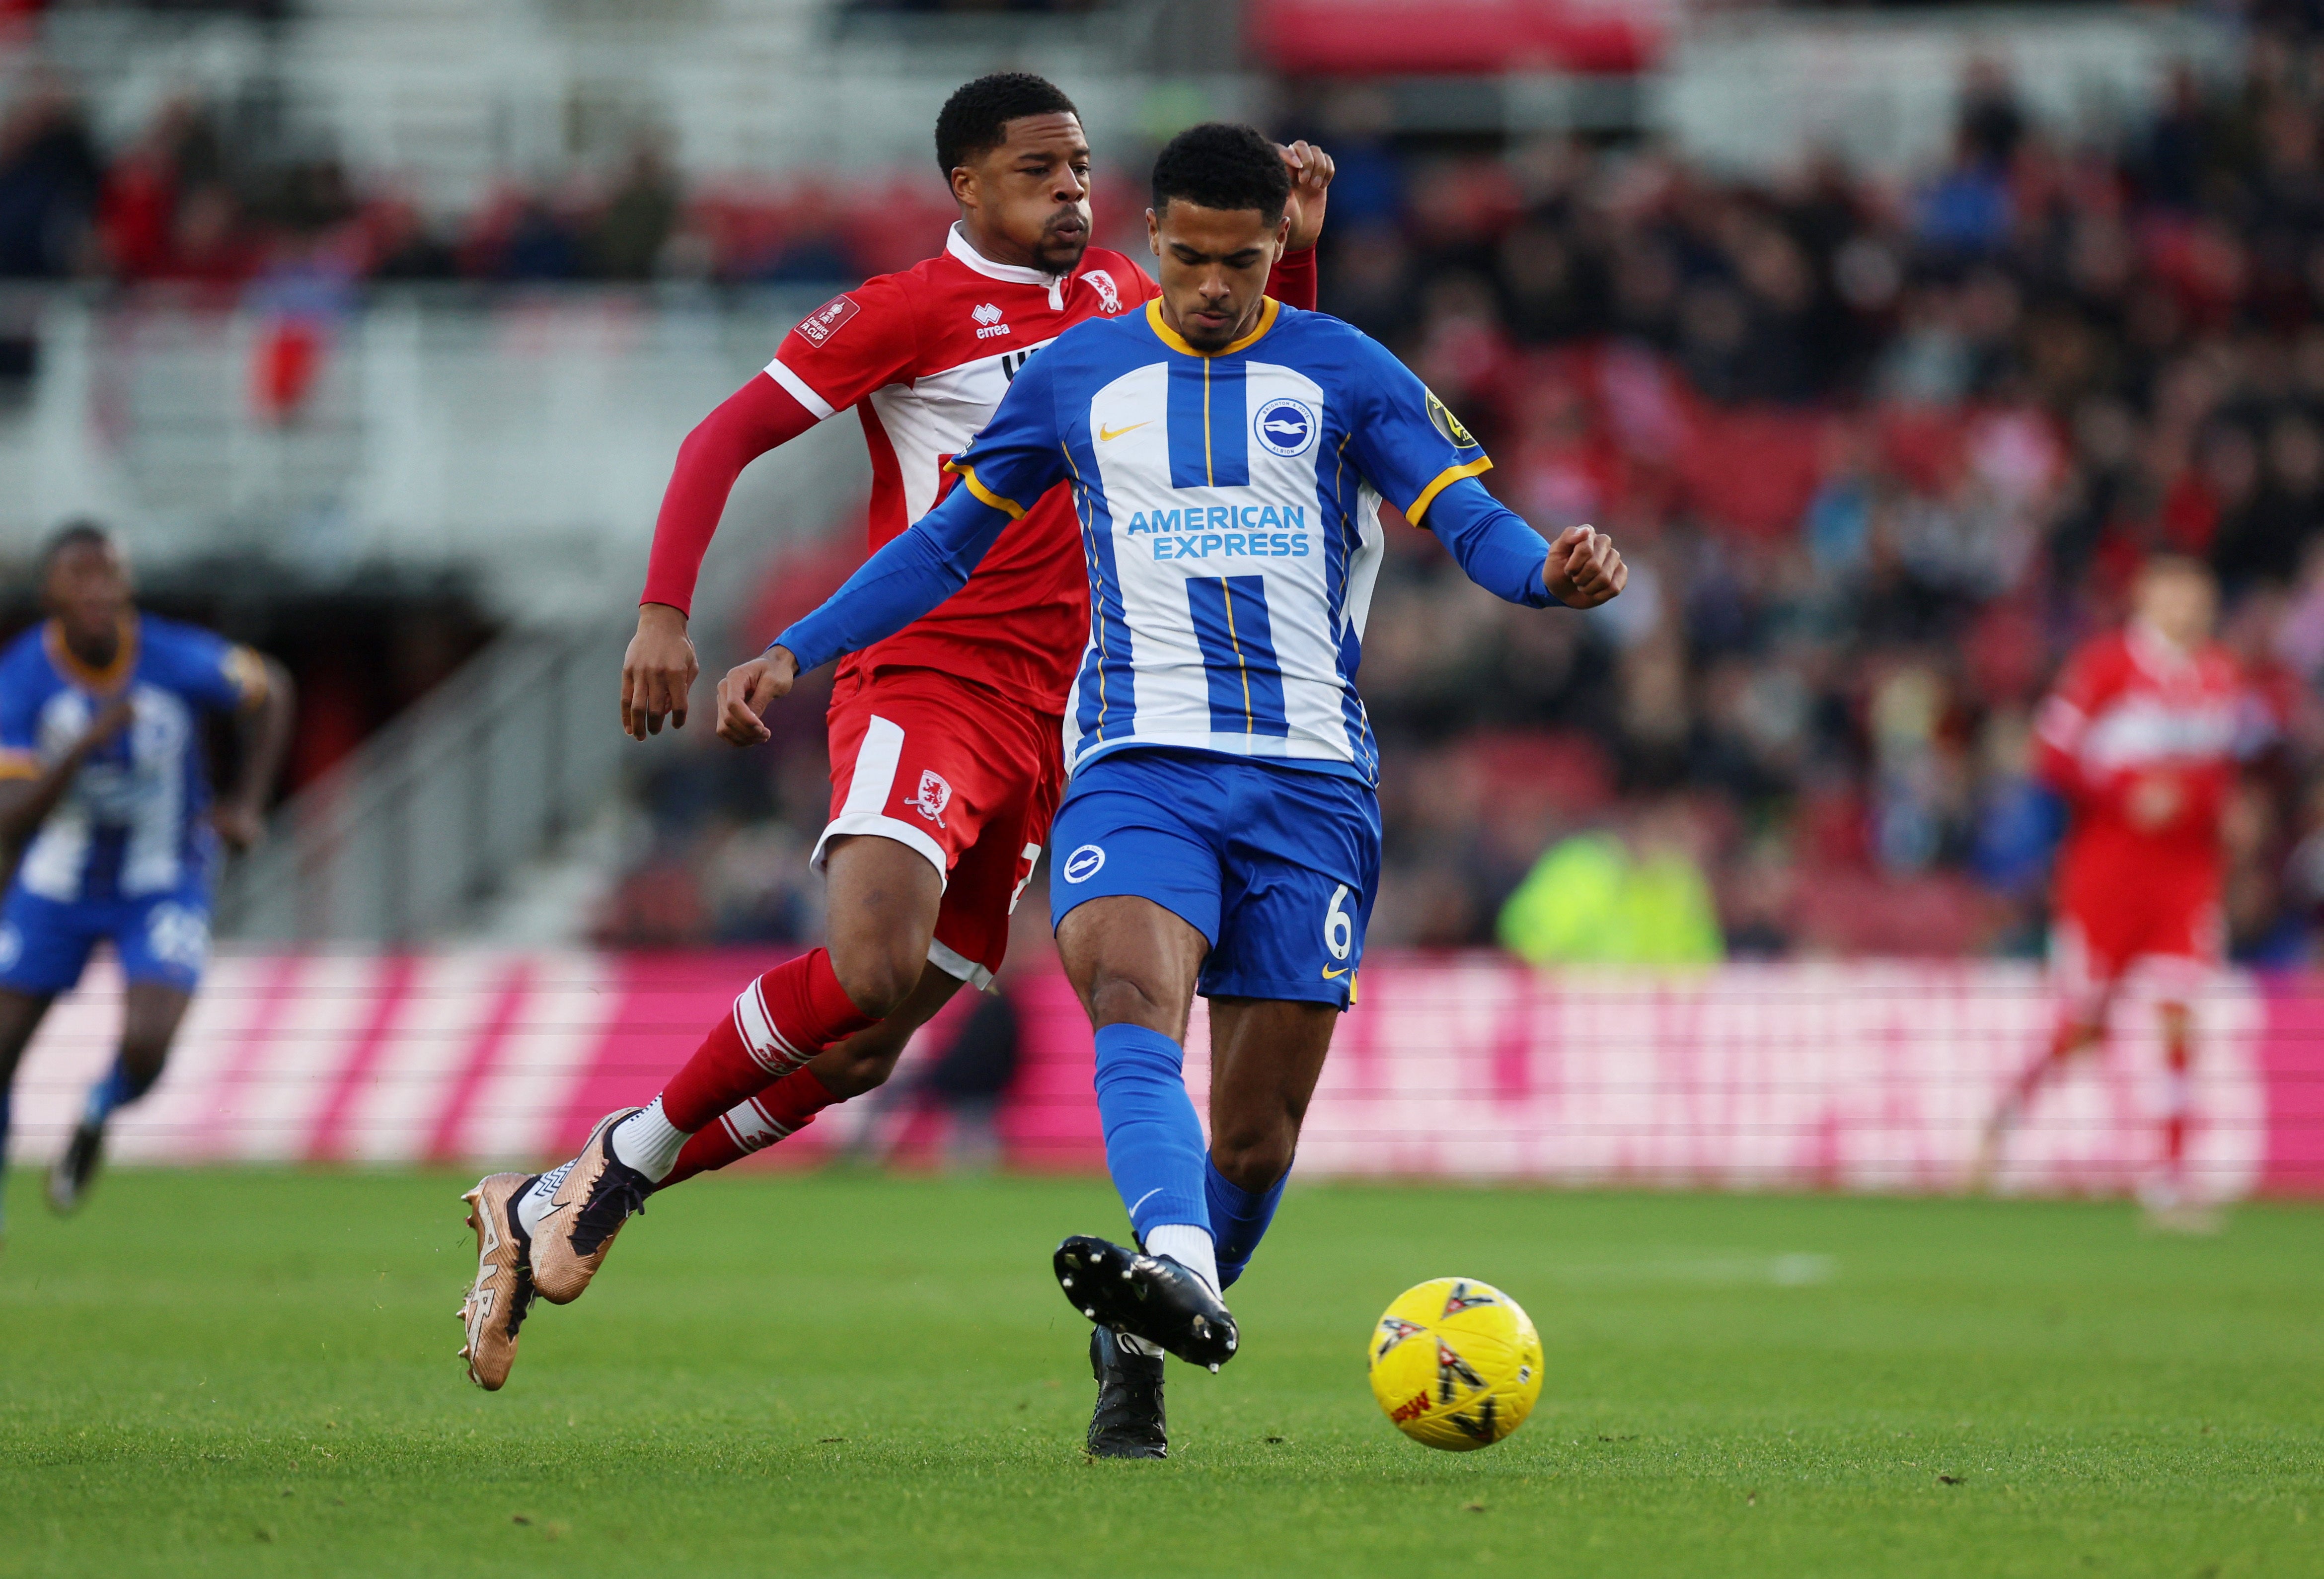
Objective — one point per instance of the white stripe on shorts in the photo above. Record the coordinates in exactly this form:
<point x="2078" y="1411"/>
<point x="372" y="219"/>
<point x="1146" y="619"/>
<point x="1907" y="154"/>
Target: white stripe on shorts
<point x="876" y="761"/>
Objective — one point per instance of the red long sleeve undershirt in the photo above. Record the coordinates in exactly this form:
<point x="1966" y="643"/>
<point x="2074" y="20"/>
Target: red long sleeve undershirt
<point x="760" y="416"/>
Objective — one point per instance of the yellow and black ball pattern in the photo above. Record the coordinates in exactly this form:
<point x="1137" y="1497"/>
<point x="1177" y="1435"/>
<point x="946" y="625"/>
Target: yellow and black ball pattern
<point x="1455" y="1363"/>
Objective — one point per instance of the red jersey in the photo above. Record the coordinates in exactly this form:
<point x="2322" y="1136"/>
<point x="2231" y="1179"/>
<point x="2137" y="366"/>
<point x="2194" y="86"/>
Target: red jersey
<point x="925" y="356"/>
<point x="2142" y="740"/>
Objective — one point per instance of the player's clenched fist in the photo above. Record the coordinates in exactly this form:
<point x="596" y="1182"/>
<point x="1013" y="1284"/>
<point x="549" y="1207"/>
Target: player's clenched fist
<point x="1584" y="570"/>
<point x="748" y="690"/>
<point x="1311" y="178"/>
<point x="657" y="672"/>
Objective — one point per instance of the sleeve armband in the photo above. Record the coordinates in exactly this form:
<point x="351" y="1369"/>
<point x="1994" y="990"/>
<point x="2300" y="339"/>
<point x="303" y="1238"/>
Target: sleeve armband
<point x="1446" y="479"/>
<point x="985" y="496"/>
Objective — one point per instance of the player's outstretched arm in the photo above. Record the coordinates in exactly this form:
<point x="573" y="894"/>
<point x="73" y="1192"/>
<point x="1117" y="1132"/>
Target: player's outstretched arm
<point x="917" y="569"/>
<point x="1506" y="557"/>
<point x="1019" y="455"/>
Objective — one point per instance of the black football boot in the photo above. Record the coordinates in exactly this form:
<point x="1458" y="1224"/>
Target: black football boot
<point x="1152" y="1297"/>
<point x="76" y="1169"/>
<point x="1128" y="1422"/>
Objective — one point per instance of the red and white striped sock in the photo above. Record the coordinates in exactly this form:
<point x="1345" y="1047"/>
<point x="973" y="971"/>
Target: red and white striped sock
<point x="778" y="1021"/>
<point x="775" y="1114"/>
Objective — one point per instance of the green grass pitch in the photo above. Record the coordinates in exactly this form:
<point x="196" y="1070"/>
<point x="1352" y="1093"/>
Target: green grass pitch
<point x="253" y="1373"/>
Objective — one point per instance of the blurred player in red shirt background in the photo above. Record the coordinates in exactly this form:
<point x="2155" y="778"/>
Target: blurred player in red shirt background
<point x="2142" y="736"/>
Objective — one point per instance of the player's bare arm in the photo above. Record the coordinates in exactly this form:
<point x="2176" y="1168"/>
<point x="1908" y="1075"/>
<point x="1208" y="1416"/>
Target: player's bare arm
<point x="658" y="671"/>
<point x="1311" y="179"/>
<point x="1584" y="568"/>
<point x="749" y="690"/>
<point x="262" y="738"/>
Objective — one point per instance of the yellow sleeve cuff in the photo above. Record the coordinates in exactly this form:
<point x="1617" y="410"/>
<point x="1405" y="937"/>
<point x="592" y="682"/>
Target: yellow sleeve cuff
<point x="1445" y="479"/>
<point x="19" y="764"/>
<point x="967" y="475"/>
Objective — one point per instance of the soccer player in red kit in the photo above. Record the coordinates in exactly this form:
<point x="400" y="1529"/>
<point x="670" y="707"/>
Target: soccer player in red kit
<point x="946" y="739"/>
<point x="2141" y="739"/>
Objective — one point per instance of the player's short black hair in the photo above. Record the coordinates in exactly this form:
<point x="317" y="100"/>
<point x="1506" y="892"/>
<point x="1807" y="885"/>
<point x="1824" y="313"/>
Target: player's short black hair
<point x="976" y="117"/>
<point x="82" y="533"/>
<point x="1220" y="165"/>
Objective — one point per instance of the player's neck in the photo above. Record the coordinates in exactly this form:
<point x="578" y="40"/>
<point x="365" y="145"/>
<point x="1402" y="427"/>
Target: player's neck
<point x="995" y="248"/>
<point x="2158" y="643"/>
<point x="96" y="648"/>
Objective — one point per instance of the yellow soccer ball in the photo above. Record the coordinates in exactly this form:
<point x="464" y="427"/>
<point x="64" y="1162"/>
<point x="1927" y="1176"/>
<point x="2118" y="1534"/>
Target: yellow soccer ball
<point x="1456" y="1364"/>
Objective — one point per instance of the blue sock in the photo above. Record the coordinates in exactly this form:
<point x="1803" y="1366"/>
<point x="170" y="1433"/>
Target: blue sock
<point x="1153" y="1141"/>
<point x="1239" y="1219"/>
<point x="119" y="1089"/>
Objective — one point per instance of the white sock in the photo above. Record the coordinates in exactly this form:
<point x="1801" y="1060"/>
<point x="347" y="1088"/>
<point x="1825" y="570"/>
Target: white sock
<point x="649" y="1143"/>
<point x="1190" y="1247"/>
<point x="535" y="1201"/>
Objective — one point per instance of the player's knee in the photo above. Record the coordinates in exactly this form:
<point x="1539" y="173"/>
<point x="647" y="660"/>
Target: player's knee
<point x="1116" y="999"/>
<point x="848" y="1072"/>
<point x="876" y="979"/>
<point x="1252" y="1159"/>
<point x="142" y="1057"/>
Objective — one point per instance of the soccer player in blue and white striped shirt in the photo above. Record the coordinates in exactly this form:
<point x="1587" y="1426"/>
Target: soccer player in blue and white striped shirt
<point x="1229" y="458"/>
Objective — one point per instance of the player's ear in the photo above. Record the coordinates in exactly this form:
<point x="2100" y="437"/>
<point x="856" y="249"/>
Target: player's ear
<point x="1154" y="232"/>
<point x="963" y="185"/>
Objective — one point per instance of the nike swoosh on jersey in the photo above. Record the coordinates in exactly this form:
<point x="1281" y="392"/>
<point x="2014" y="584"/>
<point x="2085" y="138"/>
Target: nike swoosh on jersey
<point x="1108" y="434"/>
<point x="1335" y="975"/>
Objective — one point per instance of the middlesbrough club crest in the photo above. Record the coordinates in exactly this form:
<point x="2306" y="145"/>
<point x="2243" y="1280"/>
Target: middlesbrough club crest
<point x="1108" y="294"/>
<point x="933" y="796"/>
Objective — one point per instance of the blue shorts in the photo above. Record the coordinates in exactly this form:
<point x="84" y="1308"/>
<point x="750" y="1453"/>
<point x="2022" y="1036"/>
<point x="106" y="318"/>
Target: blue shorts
<point x="1275" y="866"/>
<point x="45" y="943"/>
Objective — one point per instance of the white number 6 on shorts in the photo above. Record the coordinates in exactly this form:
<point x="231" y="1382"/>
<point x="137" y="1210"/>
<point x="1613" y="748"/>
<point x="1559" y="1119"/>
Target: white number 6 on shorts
<point x="1339" y="927"/>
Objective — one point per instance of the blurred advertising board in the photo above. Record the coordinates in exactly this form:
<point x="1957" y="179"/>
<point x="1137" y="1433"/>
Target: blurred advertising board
<point x="1864" y="1076"/>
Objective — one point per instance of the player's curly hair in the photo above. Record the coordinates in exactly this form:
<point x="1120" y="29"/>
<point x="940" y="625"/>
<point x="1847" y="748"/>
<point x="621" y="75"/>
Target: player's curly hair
<point x="976" y="117"/>
<point x="1219" y="165"/>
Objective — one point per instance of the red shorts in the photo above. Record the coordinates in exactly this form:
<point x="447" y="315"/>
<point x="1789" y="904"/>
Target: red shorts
<point x="962" y="775"/>
<point x="2164" y="914"/>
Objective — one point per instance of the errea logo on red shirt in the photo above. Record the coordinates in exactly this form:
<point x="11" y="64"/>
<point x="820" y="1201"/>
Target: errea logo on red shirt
<point x="826" y="320"/>
<point x="988" y="322"/>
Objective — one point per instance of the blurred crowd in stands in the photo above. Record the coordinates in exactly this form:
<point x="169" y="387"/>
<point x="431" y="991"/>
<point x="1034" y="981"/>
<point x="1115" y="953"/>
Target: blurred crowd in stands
<point x="1879" y="454"/>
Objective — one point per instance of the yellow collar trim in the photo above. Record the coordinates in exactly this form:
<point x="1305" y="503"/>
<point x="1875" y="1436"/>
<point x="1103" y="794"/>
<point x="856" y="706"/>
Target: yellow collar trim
<point x="1268" y="307"/>
<point x="69" y="665"/>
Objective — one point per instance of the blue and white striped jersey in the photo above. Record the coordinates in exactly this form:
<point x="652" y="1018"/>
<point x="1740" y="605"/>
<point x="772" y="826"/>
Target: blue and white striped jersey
<point x="1229" y="510"/>
<point x="131" y="824"/>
